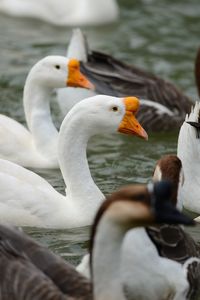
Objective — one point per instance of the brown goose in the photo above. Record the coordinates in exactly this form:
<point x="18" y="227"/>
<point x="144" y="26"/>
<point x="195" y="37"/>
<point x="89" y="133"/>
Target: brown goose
<point x="163" y="106"/>
<point x="169" y="255"/>
<point x="30" y="271"/>
<point x="172" y="241"/>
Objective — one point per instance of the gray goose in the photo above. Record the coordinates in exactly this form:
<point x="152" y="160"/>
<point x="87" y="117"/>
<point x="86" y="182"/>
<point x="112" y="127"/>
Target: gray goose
<point x="163" y="107"/>
<point x="171" y="240"/>
<point x="30" y="271"/>
<point x="168" y="252"/>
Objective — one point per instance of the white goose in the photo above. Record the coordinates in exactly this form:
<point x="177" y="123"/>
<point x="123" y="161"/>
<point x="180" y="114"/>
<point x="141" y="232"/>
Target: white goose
<point x="63" y="12"/>
<point x="38" y="146"/>
<point x="31" y="201"/>
<point x="189" y="153"/>
<point x="30" y="271"/>
<point x="168" y="265"/>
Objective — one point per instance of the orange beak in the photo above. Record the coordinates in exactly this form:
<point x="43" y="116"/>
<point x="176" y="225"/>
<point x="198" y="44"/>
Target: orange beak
<point x="76" y="78"/>
<point x="130" y="124"/>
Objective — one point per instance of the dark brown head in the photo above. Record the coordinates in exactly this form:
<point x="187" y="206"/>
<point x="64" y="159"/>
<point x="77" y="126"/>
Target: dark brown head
<point x="169" y="167"/>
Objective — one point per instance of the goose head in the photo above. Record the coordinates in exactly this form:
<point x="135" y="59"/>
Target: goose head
<point x="169" y="168"/>
<point x="106" y="114"/>
<point x="59" y="72"/>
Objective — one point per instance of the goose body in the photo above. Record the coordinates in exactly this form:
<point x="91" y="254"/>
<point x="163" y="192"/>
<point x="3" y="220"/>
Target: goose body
<point x="168" y="265"/>
<point x="174" y="254"/>
<point x="32" y="272"/>
<point x="169" y="253"/>
<point x="31" y="201"/>
<point x="29" y="271"/>
<point x="37" y="145"/>
<point x="63" y="12"/>
<point x="189" y="152"/>
<point x="156" y="283"/>
<point x="163" y="106"/>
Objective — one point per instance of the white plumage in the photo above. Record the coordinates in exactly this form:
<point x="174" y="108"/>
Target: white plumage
<point x="63" y="12"/>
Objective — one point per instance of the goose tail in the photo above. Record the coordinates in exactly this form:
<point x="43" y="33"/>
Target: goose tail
<point x="78" y="46"/>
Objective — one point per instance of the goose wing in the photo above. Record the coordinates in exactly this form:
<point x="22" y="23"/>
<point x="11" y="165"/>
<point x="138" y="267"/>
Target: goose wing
<point x="13" y="135"/>
<point x="113" y="77"/>
<point x="155" y="116"/>
<point x="26" y="198"/>
<point x="192" y="267"/>
<point x="33" y="270"/>
<point x="174" y="243"/>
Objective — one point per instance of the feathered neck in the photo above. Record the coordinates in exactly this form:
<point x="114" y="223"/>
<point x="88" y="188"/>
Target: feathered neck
<point x="106" y="257"/>
<point x="73" y="138"/>
<point x="38" y="117"/>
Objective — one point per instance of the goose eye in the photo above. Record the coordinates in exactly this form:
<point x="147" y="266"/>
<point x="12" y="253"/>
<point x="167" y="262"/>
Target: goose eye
<point x="57" y="66"/>
<point x="115" y="108"/>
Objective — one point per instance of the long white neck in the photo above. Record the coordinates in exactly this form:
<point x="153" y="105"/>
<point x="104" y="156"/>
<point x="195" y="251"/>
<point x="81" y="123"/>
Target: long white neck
<point x="73" y="138"/>
<point x="106" y="261"/>
<point x="38" y="117"/>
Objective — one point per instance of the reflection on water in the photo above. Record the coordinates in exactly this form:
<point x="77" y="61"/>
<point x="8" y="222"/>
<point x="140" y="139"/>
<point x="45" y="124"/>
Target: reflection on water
<point x="161" y="36"/>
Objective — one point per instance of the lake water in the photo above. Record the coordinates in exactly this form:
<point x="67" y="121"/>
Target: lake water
<point x="161" y="36"/>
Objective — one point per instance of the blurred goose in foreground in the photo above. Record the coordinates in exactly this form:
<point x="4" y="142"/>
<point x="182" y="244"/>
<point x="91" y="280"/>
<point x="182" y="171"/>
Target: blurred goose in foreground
<point x="63" y="12"/>
<point x="169" y="254"/>
<point x="30" y="271"/>
<point x="32" y="201"/>
<point x="189" y="153"/>
<point x="37" y="147"/>
<point x="163" y="106"/>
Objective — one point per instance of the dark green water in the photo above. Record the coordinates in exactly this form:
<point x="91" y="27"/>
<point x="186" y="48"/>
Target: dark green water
<point x="161" y="36"/>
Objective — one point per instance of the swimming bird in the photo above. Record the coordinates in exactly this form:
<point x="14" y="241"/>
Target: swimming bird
<point x="36" y="146"/>
<point x="163" y="105"/>
<point x="30" y="271"/>
<point x="63" y="12"/>
<point x="32" y="201"/>
<point x="172" y="253"/>
<point x="167" y="251"/>
<point x="188" y="151"/>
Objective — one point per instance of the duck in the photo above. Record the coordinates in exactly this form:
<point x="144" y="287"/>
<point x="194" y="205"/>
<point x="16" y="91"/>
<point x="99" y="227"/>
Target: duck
<point x="63" y="12"/>
<point x="36" y="147"/>
<point x="163" y="106"/>
<point x="30" y="271"/>
<point x="188" y="150"/>
<point x="165" y="249"/>
<point x="32" y="201"/>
